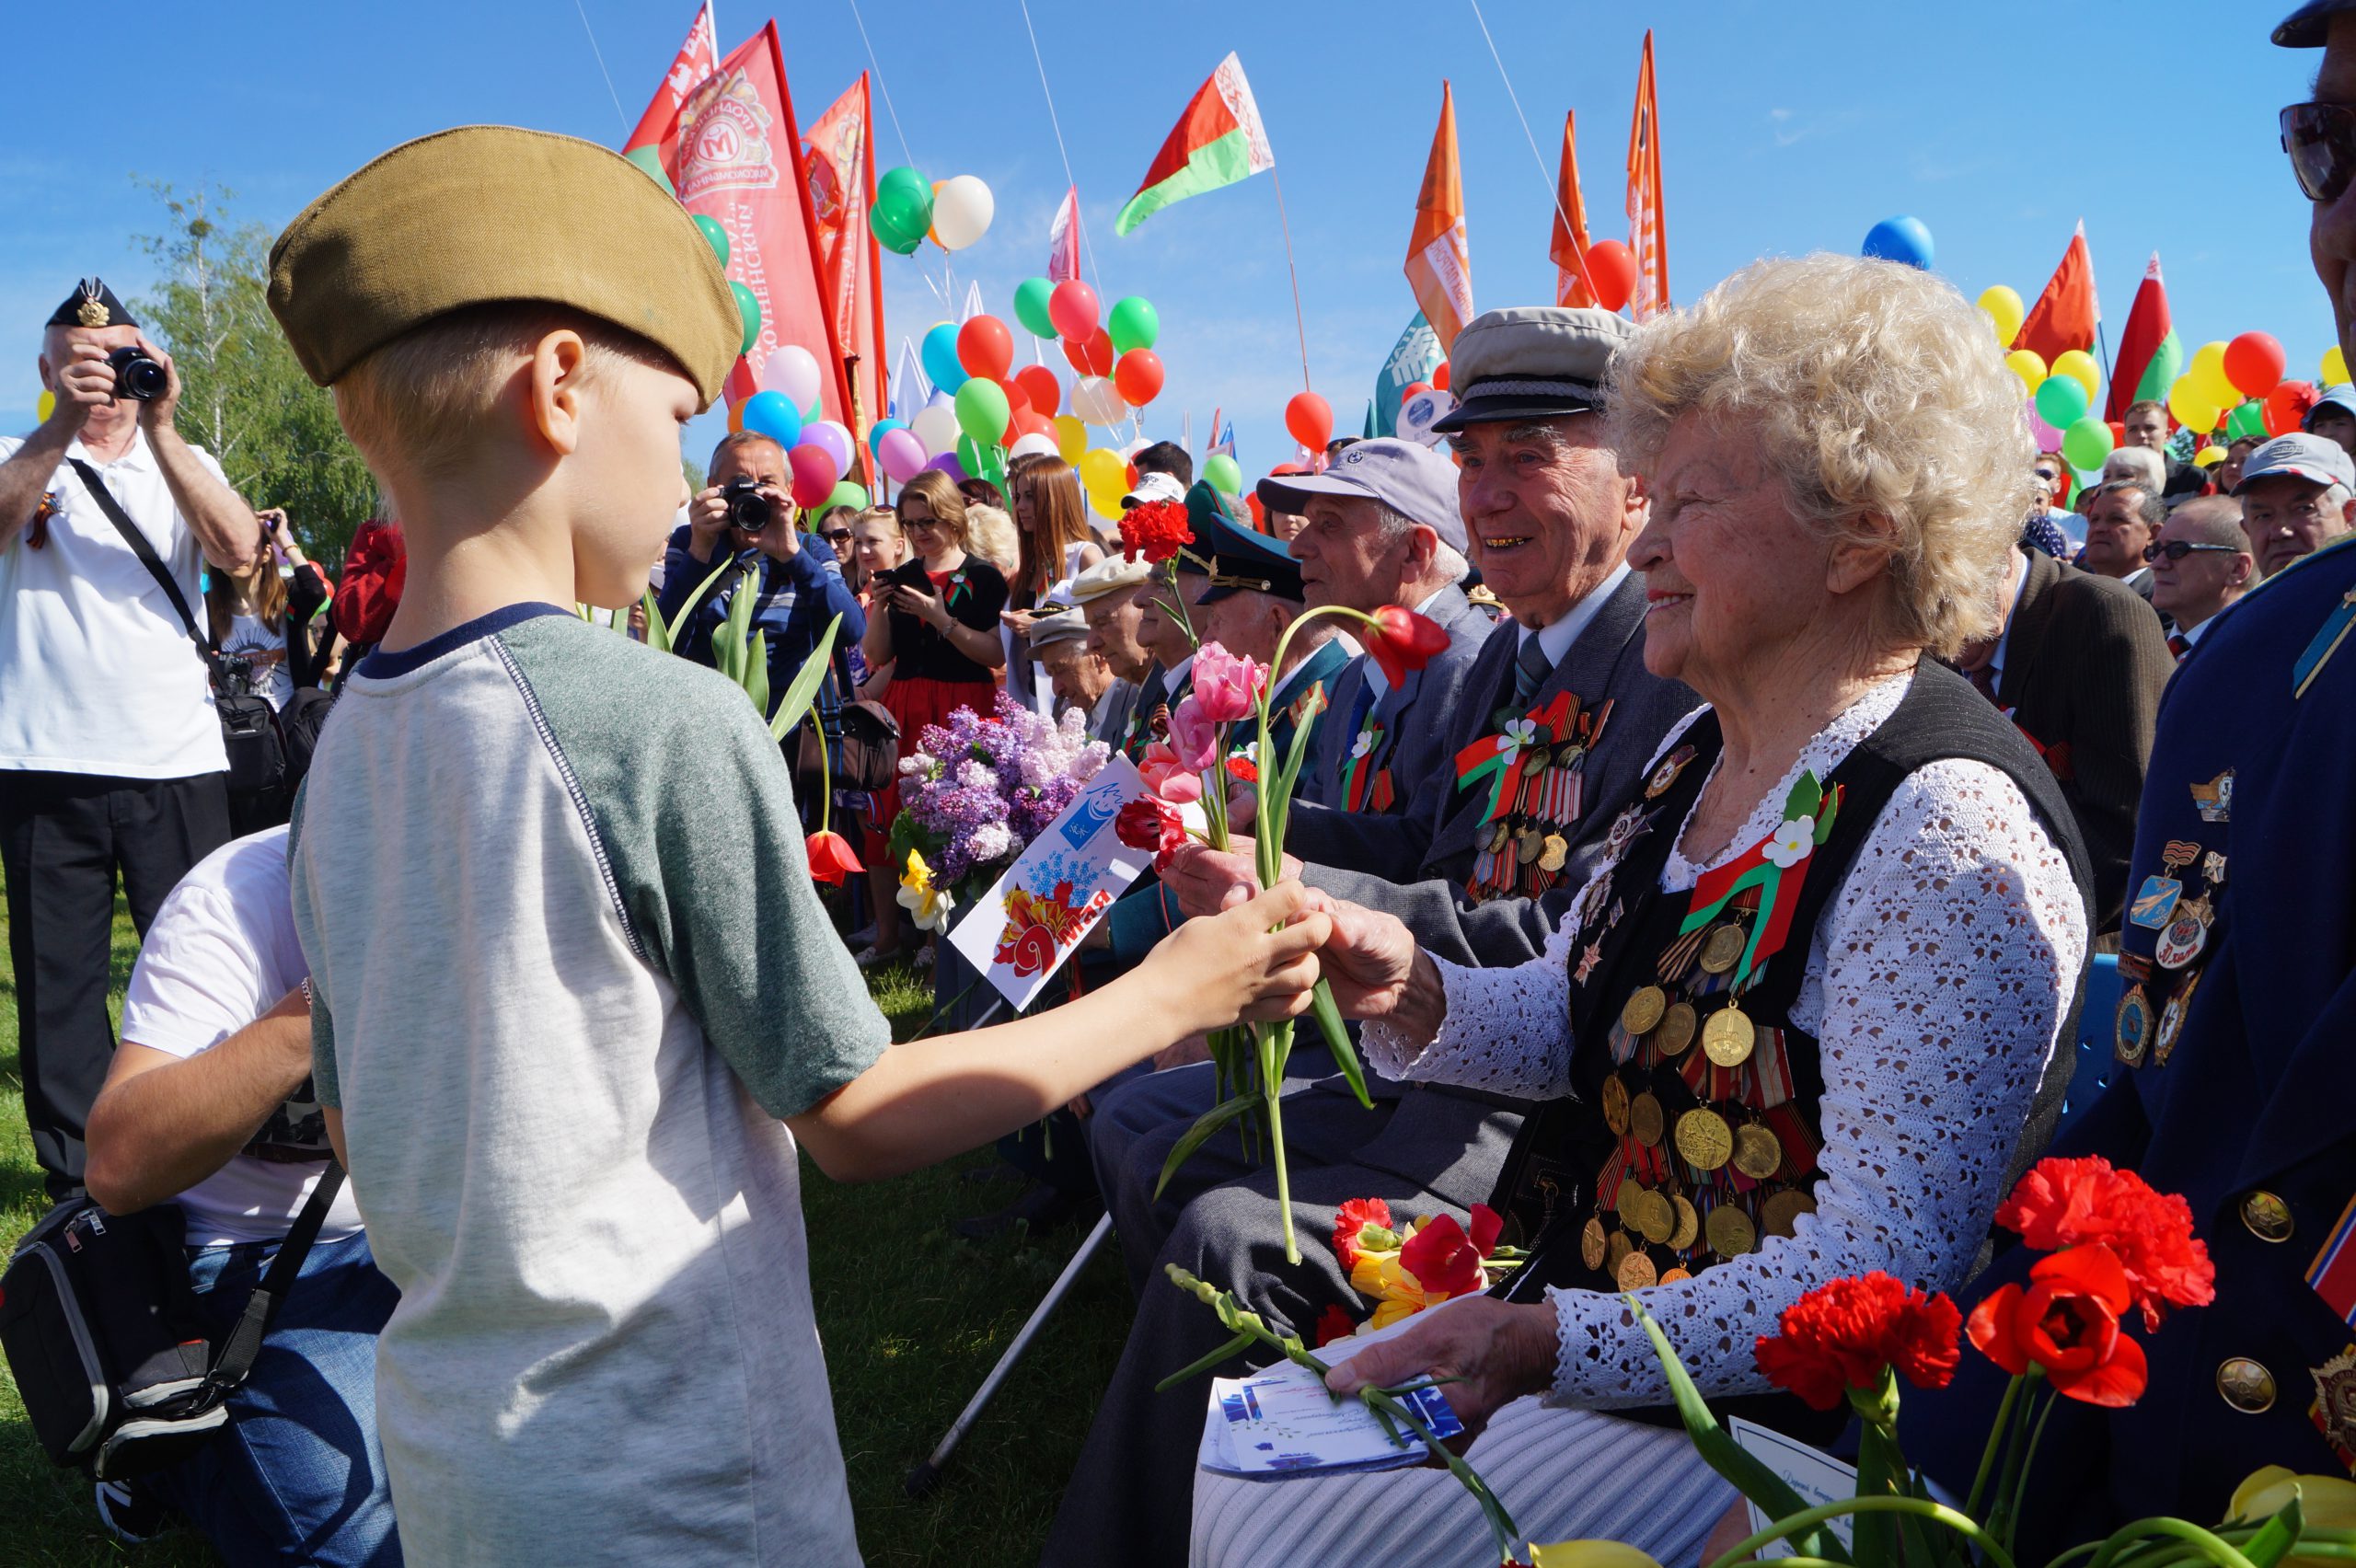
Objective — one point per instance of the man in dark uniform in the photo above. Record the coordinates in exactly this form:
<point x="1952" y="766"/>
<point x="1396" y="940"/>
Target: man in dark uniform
<point x="2237" y="1082"/>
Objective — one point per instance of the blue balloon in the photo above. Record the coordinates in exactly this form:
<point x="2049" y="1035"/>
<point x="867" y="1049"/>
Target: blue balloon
<point x="881" y="428"/>
<point x="771" y="415"/>
<point x="1900" y="240"/>
<point x="940" y="353"/>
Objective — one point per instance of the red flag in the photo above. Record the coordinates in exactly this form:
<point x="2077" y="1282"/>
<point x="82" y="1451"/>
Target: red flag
<point x="1647" y="222"/>
<point x="659" y="127"/>
<point x="2149" y="354"/>
<point x="1569" y="247"/>
<point x="842" y="185"/>
<point x="740" y="162"/>
<point x="2065" y="314"/>
<point x="1063" y="239"/>
<point x="1439" y="264"/>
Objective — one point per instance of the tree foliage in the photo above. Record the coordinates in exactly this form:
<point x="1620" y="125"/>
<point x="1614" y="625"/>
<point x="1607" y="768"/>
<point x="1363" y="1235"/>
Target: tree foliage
<point x="244" y="397"/>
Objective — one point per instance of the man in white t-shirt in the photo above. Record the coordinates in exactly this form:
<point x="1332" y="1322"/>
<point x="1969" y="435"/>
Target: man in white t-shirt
<point x="209" y="1106"/>
<point x="111" y="754"/>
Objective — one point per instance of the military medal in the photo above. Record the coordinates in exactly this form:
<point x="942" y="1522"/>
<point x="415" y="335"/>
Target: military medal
<point x="1671" y="1277"/>
<point x="1780" y="1212"/>
<point x="1655" y="1219"/>
<point x="1646" y="1121"/>
<point x="1678" y="1026"/>
<point x="1636" y="1272"/>
<point x="1689" y="1224"/>
<point x="2187" y="934"/>
<point x="1666" y="774"/>
<point x="1557" y="850"/>
<point x="1592" y="1243"/>
<point x="1703" y="1139"/>
<point x="2215" y="798"/>
<point x="2132" y="1033"/>
<point x="1643" y="1009"/>
<point x="1590" y="956"/>
<point x="2155" y="901"/>
<point x="1729" y="1038"/>
<point x="2172" y="1020"/>
<point x="1758" y="1153"/>
<point x="1721" y="948"/>
<point x="1528" y="844"/>
<point x="2334" y="1411"/>
<point x="1617" y="1251"/>
<point x="1615" y="1105"/>
<point x="1730" y="1231"/>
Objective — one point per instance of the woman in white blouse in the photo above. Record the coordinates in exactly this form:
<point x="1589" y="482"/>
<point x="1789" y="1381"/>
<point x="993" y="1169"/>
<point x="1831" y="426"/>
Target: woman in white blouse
<point x="1828" y="1072"/>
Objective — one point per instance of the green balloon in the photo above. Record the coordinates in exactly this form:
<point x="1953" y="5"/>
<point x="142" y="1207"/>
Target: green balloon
<point x="2061" y="401"/>
<point x="1224" y="473"/>
<point x="1132" y="324"/>
<point x="1031" y="297"/>
<point x="714" y="236"/>
<point x="650" y="160"/>
<point x="2249" y="420"/>
<point x="982" y="411"/>
<point x="849" y="492"/>
<point x="2086" y="443"/>
<point x="897" y="241"/>
<point x="748" y="310"/>
<point x="903" y="209"/>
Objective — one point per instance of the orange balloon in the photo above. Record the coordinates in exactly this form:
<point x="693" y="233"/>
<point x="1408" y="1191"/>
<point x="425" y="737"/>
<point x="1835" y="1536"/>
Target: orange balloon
<point x="1038" y="384"/>
<point x="736" y="418"/>
<point x="1138" y="377"/>
<point x="1439" y="376"/>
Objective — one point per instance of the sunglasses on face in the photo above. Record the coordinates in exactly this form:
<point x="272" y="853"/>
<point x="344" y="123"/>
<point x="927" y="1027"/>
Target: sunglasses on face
<point x="2177" y="549"/>
<point x="2321" y="140"/>
<point x="838" y="536"/>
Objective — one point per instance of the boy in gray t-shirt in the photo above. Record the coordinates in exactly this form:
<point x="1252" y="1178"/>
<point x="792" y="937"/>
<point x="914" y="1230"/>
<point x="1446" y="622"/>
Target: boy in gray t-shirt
<point x="576" y="997"/>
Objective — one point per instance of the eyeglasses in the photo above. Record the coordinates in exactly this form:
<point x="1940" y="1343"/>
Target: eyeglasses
<point x="2321" y="140"/>
<point x="837" y="536"/>
<point x="2177" y="549"/>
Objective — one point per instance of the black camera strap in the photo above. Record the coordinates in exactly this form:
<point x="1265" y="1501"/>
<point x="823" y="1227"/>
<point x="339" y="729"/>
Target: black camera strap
<point x="147" y="557"/>
<point x="237" y="1352"/>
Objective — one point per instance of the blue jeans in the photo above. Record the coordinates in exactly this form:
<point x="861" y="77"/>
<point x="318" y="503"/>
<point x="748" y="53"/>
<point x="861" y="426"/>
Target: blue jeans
<point x="297" y="1475"/>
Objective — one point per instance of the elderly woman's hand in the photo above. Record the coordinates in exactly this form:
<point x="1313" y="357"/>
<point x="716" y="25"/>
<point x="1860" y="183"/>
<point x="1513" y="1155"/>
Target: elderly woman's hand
<point x="1498" y="1351"/>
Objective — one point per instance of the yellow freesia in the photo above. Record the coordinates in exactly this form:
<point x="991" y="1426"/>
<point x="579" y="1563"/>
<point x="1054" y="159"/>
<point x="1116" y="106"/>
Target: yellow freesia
<point x="2326" y="1502"/>
<point x="1382" y="1279"/>
<point x="1588" y="1554"/>
<point x="930" y="904"/>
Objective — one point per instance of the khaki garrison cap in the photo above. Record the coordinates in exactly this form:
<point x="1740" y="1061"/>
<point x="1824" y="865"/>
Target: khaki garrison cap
<point x="1531" y="363"/>
<point x="485" y="213"/>
<point x="1115" y="573"/>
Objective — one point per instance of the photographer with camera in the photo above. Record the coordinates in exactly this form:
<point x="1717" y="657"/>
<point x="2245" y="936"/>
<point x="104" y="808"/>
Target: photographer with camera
<point x="111" y="760"/>
<point x="745" y="517"/>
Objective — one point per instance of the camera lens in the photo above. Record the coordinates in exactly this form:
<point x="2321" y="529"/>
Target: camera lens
<point x="747" y="508"/>
<point x="136" y="375"/>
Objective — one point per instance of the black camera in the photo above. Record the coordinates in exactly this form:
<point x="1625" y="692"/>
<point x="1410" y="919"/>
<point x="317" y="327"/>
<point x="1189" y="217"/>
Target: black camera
<point x="136" y="375"/>
<point x="747" y="508"/>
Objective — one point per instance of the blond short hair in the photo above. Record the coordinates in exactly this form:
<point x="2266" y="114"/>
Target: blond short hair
<point x="417" y="404"/>
<point x="1876" y="392"/>
<point x="990" y="534"/>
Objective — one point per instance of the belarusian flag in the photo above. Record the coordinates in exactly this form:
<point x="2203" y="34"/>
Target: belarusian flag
<point x="2151" y="356"/>
<point x="2067" y="313"/>
<point x="1216" y="142"/>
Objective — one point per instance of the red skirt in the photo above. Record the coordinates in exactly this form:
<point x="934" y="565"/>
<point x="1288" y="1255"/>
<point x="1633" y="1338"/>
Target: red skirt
<point x="915" y="703"/>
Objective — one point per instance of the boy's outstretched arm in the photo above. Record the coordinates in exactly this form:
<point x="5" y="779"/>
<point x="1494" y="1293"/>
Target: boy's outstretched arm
<point x="930" y="1098"/>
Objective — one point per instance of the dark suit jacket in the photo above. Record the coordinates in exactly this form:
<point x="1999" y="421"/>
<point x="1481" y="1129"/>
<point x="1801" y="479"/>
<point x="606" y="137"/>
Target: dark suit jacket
<point x="1417" y="714"/>
<point x="1606" y="662"/>
<point x="2084" y="663"/>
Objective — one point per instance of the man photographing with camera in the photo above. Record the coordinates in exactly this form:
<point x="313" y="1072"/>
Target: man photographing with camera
<point x="111" y="754"/>
<point x="745" y="516"/>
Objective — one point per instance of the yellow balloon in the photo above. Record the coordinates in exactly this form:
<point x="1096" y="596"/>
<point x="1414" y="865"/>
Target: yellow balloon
<point x="1107" y="503"/>
<point x="2191" y="406"/>
<point x="2208" y="456"/>
<point x="2029" y="366"/>
<point x="2005" y="313"/>
<point x="1072" y="438"/>
<point x="2334" y="367"/>
<point x="1100" y="469"/>
<point x="2207" y="374"/>
<point x="46" y="405"/>
<point x="2079" y="365"/>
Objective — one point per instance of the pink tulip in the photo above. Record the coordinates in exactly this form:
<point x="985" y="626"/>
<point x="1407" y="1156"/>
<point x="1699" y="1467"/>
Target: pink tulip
<point x="1167" y="777"/>
<point x="1227" y="687"/>
<point x="1193" y="734"/>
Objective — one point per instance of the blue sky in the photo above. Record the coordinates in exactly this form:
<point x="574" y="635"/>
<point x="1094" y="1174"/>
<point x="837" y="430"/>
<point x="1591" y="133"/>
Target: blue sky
<point x="1786" y="130"/>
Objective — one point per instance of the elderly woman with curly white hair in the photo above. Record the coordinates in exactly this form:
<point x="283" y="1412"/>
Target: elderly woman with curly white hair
<point x="1798" y="1025"/>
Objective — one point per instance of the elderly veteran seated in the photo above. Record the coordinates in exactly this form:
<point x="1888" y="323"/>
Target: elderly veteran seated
<point x="1827" y="1079"/>
<point x="1105" y="598"/>
<point x="1080" y="677"/>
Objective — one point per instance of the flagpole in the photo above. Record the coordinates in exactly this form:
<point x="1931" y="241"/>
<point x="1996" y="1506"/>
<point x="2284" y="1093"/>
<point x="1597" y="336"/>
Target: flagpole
<point x="1300" y="325"/>
<point x="2102" y="336"/>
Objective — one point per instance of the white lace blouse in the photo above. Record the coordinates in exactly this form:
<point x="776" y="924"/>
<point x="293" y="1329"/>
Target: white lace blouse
<point x="1935" y="983"/>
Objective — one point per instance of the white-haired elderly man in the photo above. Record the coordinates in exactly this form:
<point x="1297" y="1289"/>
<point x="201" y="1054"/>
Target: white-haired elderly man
<point x="1079" y="675"/>
<point x="2298" y="494"/>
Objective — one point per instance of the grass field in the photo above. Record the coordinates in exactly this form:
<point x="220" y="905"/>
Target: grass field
<point x="913" y="1319"/>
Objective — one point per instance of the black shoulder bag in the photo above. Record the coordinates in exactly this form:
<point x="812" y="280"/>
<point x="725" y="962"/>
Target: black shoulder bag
<point x="101" y="1328"/>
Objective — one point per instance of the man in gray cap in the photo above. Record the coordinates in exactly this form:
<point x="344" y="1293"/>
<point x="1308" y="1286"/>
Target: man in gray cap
<point x="1079" y="674"/>
<point x="2298" y="494"/>
<point x="1548" y="517"/>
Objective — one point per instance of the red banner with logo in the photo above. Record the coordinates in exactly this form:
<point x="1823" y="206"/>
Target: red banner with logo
<point x="740" y="163"/>
<point x="841" y="169"/>
<point x="659" y="127"/>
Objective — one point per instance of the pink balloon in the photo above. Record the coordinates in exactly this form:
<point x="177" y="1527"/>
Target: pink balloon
<point x="831" y="438"/>
<point x="1073" y="308"/>
<point x="901" y="454"/>
<point x="2048" y="439"/>
<point x="814" y="474"/>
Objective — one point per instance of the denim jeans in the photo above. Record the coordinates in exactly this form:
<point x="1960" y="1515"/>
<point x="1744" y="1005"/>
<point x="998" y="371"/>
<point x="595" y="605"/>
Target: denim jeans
<point x="297" y="1475"/>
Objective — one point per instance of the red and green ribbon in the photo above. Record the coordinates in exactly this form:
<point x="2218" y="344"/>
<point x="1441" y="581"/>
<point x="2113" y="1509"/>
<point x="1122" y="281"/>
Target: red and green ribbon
<point x="1779" y="886"/>
<point x="1360" y="775"/>
<point x="1499" y="760"/>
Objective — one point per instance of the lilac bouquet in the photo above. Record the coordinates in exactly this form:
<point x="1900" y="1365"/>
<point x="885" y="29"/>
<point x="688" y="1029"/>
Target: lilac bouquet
<point x="979" y="789"/>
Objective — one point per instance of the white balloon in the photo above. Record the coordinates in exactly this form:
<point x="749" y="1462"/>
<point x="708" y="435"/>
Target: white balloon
<point x="1420" y="412"/>
<point x="936" y="426"/>
<point x="1098" y="402"/>
<point x="793" y="371"/>
<point x="962" y="211"/>
<point x="1034" y="445"/>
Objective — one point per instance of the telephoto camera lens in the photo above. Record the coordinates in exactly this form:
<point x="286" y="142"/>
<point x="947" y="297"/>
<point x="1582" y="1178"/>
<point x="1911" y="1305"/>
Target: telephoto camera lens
<point x="747" y="508"/>
<point x="136" y="375"/>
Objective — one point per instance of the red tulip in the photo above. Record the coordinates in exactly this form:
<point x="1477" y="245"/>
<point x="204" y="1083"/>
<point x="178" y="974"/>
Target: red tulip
<point x="2066" y="1323"/>
<point x="2070" y="1203"/>
<point x="1401" y="641"/>
<point x="831" y="859"/>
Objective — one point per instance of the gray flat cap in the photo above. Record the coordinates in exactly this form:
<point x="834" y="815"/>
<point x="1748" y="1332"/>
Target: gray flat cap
<point x="1533" y="361"/>
<point x="1405" y="475"/>
<point x="1062" y="626"/>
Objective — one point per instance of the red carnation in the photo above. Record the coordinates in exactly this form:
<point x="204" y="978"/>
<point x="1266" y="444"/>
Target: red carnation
<point x="1444" y="1259"/>
<point x="2070" y="1203"/>
<point x="1353" y="1217"/>
<point x="1243" y="769"/>
<point x="1156" y="530"/>
<point x="831" y="859"/>
<point x="2066" y="1322"/>
<point x="1401" y="641"/>
<point x="1148" y="823"/>
<point x="1844" y="1334"/>
<point x="1334" y="1324"/>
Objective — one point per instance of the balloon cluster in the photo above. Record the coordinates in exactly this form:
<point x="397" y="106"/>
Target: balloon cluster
<point x="2239" y="384"/>
<point x="818" y="452"/>
<point x="910" y="209"/>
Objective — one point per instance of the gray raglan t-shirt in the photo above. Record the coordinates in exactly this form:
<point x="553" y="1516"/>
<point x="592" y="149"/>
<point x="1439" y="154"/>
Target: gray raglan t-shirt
<point x="571" y="971"/>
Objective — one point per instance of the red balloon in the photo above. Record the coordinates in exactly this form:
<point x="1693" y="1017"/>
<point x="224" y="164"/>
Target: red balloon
<point x="1610" y="273"/>
<point x="1138" y="377"/>
<point x="814" y="475"/>
<point x="1439" y="376"/>
<point x="1311" y="419"/>
<point x="985" y="348"/>
<point x="1038" y="384"/>
<point x="1091" y="355"/>
<point x="1134" y="478"/>
<point x="1018" y="401"/>
<point x="1031" y="423"/>
<point x="2118" y="432"/>
<point x="1073" y="308"/>
<point x="1288" y="469"/>
<point x="2287" y="406"/>
<point x="2254" y="364"/>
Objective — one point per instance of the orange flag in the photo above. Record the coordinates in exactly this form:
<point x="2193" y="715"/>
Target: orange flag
<point x="841" y="175"/>
<point x="2065" y="315"/>
<point x="1569" y="247"/>
<point x="1647" y="227"/>
<point x="1439" y="264"/>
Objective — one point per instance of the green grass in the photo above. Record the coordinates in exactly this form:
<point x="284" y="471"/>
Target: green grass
<point x="913" y="1319"/>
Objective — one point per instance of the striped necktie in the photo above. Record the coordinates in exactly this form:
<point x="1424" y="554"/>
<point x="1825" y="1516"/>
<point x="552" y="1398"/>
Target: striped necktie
<point x="2179" y="644"/>
<point x="1531" y="668"/>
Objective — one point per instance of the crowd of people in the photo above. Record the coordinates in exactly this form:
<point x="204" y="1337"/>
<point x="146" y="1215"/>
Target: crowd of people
<point x="539" y="963"/>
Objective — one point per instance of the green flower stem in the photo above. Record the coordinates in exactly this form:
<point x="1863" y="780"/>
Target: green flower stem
<point x="2207" y="1544"/>
<point x="2028" y="1460"/>
<point x="1996" y="1444"/>
<point x="2000" y="1517"/>
<point x="1922" y="1507"/>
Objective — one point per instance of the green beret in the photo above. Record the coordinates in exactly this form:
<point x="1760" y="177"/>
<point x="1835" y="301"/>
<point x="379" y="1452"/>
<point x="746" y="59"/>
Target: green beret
<point x="484" y="213"/>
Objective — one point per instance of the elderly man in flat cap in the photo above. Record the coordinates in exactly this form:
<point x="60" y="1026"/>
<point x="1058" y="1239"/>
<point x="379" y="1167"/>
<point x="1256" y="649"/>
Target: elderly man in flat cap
<point x="110" y="753"/>
<point x="1556" y="717"/>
